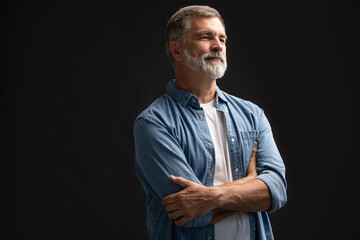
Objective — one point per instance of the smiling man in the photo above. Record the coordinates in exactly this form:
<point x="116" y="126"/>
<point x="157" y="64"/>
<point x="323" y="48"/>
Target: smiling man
<point x="207" y="160"/>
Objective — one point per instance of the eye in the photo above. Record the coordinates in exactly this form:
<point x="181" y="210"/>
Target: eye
<point x="204" y="37"/>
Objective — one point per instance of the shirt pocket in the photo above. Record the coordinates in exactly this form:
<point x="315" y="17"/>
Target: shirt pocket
<point x="247" y="142"/>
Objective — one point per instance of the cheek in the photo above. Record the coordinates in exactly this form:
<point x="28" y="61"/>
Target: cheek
<point x="199" y="49"/>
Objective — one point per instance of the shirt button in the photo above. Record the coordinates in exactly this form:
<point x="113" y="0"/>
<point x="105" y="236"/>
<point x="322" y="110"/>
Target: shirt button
<point x="201" y="116"/>
<point x="236" y="169"/>
<point x="209" y="238"/>
<point x="232" y="139"/>
<point x="209" y="144"/>
<point x="193" y="100"/>
<point x="210" y="174"/>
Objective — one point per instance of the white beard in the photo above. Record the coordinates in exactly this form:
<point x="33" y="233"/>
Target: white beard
<point x="212" y="69"/>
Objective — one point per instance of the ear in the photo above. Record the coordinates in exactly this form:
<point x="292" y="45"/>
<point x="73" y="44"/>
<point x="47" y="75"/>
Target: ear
<point x="175" y="49"/>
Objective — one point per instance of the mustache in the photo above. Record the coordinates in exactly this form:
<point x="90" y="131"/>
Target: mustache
<point x="214" y="54"/>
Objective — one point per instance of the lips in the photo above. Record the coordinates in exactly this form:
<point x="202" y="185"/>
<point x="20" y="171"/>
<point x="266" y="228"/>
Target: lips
<point x="216" y="59"/>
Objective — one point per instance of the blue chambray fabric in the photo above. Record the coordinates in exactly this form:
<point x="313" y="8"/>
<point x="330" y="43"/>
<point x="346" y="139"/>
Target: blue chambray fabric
<point x="172" y="138"/>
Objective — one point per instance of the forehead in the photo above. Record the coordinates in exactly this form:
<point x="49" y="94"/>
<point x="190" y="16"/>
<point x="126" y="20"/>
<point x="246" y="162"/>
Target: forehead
<point x="200" y="23"/>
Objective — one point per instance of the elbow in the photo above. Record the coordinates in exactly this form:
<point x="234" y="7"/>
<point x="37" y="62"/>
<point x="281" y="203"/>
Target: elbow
<point x="277" y="197"/>
<point x="267" y="203"/>
<point x="277" y="203"/>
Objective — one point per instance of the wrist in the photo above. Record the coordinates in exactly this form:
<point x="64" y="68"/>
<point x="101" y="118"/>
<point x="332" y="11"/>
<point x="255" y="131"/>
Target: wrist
<point x="219" y="196"/>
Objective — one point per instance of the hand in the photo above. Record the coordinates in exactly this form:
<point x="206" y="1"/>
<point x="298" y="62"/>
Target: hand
<point x="251" y="172"/>
<point x="193" y="201"/>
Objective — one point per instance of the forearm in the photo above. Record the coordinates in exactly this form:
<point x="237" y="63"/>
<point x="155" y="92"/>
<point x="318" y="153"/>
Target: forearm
<point x="247" y="194"/>
<point x="220" y="213"/>
<point x="240" y="181"/>
<point x="251" y="196"/>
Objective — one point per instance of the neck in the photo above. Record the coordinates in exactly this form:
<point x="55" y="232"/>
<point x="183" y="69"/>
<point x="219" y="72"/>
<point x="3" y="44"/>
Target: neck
<point x="197" y="84"/>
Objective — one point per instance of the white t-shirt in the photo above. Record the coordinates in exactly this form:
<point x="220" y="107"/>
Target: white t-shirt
<point x="237" y="225"/>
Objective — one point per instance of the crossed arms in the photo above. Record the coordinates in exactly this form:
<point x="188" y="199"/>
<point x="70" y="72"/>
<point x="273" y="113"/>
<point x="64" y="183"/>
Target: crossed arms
<point x="247" y="194"/>
<point x="185" y="198"/>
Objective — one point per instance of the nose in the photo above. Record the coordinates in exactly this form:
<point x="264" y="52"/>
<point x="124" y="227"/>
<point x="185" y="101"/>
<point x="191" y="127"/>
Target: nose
<point x="217" y="46"/>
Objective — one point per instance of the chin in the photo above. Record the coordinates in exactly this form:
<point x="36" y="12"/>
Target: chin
<point x="214" y="73"/>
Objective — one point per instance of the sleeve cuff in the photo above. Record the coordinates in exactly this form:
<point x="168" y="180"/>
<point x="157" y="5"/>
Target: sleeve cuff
<point x="277" y="191"/>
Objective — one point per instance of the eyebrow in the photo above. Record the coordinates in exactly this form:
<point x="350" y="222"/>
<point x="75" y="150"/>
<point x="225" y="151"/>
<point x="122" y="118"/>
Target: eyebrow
<point x="208" y="33"/>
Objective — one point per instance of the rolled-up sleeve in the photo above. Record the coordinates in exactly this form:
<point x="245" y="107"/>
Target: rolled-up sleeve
<point x="270" y="165"/>
<point x="157" y="156"/>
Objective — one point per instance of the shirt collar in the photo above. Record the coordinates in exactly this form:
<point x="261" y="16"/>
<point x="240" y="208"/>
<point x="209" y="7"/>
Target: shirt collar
<point x="187" y="98"/>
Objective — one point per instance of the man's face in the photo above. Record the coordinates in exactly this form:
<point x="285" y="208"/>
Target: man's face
<point x="205" y="46"/>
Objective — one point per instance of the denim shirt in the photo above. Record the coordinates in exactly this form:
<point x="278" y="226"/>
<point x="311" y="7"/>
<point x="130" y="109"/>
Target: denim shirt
<point x="172" y="138"/>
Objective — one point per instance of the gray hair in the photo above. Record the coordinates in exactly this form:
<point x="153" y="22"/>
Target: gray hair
<point x="179" y="24"/>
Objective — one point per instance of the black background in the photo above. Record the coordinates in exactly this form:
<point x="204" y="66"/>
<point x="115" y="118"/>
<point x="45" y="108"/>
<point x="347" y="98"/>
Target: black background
<point x="74" y="75"/>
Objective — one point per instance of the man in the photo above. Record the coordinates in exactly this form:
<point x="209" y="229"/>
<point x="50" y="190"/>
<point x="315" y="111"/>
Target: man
<point x="207" y="160"/>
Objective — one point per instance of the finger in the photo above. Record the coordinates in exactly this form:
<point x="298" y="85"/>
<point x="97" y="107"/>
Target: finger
<point x="171" y="207"/>
<point x="182" y="182"/>
<point x="255" y="148"/>
<point x="254" y="151"/>
<point x="169" y="199"/>
<point x="252" y="164"/>
<point x="176" y="214"/>
<point x="174" y="198"/>
<point x="182" y="221"/>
